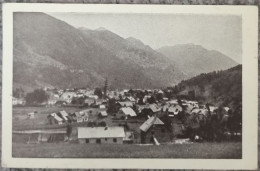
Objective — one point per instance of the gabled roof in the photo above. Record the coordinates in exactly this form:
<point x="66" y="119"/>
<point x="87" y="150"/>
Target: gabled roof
<point x="64" y="113"/>
<point x="212" y="108"/>
<point x="149" y="122"/>
<point x="101" y="132"/>
<point x="175" y="109"/>
<point x="126" y="104"/>
<point x="56" y="117"/>
<point x="128" y="111"/>
<point x="155" y="108"/>
<point x="103" y="113"/>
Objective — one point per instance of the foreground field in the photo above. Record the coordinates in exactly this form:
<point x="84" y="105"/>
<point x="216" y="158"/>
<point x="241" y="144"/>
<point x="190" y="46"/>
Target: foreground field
<point x="230" y="150"/>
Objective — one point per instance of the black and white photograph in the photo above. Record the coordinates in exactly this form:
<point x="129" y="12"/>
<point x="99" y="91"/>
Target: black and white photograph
<point x="129" y="85"/>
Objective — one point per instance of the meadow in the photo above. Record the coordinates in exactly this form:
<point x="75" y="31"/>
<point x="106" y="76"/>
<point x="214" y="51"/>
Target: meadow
<point x="224" y="150"/>
<point x="230" y="150"/>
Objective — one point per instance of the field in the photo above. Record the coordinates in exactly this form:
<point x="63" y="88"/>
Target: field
<point x="75" y="150"/>
<point x="70" y="150"/>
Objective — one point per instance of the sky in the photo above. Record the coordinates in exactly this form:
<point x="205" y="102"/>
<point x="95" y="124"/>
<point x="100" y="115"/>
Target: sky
<point x="214" y="32"/>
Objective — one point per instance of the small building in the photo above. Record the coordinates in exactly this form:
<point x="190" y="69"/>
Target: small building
<point x="129" y="137"/>
<point x="54" y="119"/>
<point x="175" y="110"/>
<point x="80" y="116"/>
<point x="102" y="106"/>
<point x="18" y="101"/>
<point x="126" y="112"/>
<point x="64" y="115"/>
<point x="31" y="115"/>
<point x="101" y="135"/>
<point x="153" y="128"/>
<point x="103" y="114"/>
<point x="89" y="101"/>
<point x="125" y="104"/>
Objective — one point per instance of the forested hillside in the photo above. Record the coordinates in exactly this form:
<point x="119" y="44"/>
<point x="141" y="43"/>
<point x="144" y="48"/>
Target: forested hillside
<point x="218" y="87"/>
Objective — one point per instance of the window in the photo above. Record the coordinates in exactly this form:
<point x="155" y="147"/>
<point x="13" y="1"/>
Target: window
<point x="105" y="139"/>
<point x="98" y="141"/>
<point x="114" y="140"/>
<point x="87" y="140"/>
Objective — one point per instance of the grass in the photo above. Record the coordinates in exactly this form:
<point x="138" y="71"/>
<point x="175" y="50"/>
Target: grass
<point x="231" y="150"/>
<point x="75" y="150"/>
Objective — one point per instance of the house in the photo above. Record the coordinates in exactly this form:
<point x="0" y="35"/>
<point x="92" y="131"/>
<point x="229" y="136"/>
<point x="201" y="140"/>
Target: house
<point x="149" y="110"/>
<point x="131" y="99"/>
<point x="54" y="118"/>
<point x="101" y="135"/>
<point x="31" y="115"/>
<point x="81" y="116"/>
<point x="64" y="115"/>
<point x="174" y="110"/>
<point x="153" y="128"/>
<point x="103" y="114"/>
<point x="18" y="101"/>
<point x="129" y="137"/>
<point x="126" y="112"/>
<point x="68" y="95"/>
<point x="61" y="103"/>
<point x="125" y="104"/>
<point x="89" y="101"/>
<point x="102" y="106"/>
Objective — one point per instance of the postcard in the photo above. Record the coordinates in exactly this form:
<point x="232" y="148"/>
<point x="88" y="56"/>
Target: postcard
<point x="129" y="86"/>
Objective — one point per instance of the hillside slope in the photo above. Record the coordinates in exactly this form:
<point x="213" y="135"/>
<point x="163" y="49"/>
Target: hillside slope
<point x="50" y="52"/>
<point x="195" y="59"/>
<point x="218" y="88"/>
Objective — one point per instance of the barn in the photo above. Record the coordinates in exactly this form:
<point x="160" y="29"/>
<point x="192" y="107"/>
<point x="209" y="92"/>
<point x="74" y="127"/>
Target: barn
<point x="101" y="135"/>
<point x="154" y="128"/>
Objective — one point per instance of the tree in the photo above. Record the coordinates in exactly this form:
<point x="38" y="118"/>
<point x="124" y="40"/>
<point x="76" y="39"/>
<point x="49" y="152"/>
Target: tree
<point x="98" y="92"/>
<point x="105" y="88"/>
<point x="151" y="100"/>
<point x="102" y="124"/>
<point x="18" y="93"/>
<point x="111" y="108"/>
<point x="38" y="96"/>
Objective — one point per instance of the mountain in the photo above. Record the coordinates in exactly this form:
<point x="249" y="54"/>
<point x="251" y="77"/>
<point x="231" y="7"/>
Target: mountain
<point x="218" y="88"/>
<point x="50" y="52"/>
<point x="154" y="65"/>
<point x="195" y="59"/>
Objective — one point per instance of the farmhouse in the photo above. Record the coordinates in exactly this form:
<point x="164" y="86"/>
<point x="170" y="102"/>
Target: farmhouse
<point x="153" y="128"/>
<point x="100" y="135"/>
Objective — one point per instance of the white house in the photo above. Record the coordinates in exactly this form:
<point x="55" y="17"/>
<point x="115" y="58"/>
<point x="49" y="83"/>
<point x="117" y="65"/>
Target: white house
<point x="101" y="135"/>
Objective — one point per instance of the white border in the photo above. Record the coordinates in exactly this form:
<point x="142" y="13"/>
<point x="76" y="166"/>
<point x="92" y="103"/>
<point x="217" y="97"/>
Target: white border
<point x="250" y="74"/>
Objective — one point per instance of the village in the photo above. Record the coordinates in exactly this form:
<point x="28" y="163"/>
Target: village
<point x="132" y="116"/>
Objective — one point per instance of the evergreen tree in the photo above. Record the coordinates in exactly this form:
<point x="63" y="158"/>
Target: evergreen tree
<point x="105" y="88"/>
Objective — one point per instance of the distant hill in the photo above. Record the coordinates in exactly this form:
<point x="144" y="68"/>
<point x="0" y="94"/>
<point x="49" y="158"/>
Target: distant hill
<point x="154" y="65"/>
<point x="195" y="59"/>
<point x="218" y="88"/>
<point x="50" y="52"/>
